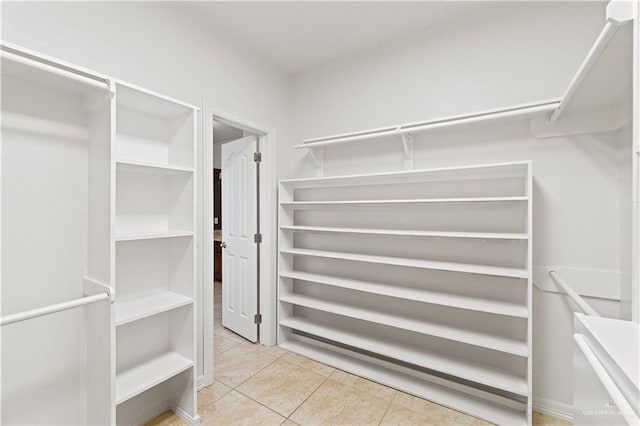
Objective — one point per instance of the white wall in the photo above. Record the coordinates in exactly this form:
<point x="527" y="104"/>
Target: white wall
<point x="509" y="54"/>
<point x="159" y="46"/>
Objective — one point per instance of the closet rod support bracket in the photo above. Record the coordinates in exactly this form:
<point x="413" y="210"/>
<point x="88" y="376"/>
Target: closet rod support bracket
<point x="407" y="146"/>
<point x="317" y="154"/>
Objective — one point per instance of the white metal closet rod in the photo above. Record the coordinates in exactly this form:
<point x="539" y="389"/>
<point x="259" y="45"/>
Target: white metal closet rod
<point x="495" y="114"/>
<point x="54" y="69"/>
<point x="52" y="309"/>
<point x="582" y="304"/>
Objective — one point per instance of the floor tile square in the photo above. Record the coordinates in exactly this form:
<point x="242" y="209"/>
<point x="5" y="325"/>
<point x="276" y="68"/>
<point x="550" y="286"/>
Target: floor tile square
<point x="237" y="364"/>
<point x="282" y="386"/>
<point x="237" y="409"/>
<point x="307" y="363"/>
<point x="334" y="403"/>
<point x="210" y="394"/>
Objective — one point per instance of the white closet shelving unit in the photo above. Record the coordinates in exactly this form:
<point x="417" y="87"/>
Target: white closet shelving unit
<point x="420" y="280"/>
<point x="129" y="179"/>
<point x="154" y="221"/>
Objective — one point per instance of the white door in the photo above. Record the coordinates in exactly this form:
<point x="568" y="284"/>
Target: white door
<point x="239" y="226"/>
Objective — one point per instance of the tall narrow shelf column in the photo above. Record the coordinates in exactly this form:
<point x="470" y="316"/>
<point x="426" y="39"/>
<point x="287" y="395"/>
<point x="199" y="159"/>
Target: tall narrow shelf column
<point x="420" y="280"/>
<point x="154" y="223"/>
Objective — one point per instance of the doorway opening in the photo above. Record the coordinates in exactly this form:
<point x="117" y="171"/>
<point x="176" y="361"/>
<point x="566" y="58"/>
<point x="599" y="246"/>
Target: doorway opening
<point x="236" y="229"/>
<point x="264" y="223"/>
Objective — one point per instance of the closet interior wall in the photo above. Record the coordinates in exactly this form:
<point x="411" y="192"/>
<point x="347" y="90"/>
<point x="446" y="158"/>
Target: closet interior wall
<point x="98" y="195"/>
<point x="582" y="166"/>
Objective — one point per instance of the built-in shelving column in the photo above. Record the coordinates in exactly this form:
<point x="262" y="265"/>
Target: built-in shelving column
<point x="153" y="161"/>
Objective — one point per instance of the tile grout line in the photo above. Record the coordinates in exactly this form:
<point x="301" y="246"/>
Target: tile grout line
<point x="388" y="406"/>
<point x="309" y="396"/>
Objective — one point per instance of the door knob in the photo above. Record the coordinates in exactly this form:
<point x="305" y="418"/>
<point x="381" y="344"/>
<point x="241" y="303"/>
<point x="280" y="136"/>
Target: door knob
<point x="223" y="244"/>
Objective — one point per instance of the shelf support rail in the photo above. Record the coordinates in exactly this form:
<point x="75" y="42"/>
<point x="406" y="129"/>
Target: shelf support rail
<point x="52" y="309"/>
<point x="577" y="299"/>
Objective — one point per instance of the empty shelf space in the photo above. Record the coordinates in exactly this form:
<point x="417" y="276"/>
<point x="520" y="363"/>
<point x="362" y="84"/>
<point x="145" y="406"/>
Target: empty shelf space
<point x="394" y="202"/>
<point x="413" y="263"/>
<point x="419" y="295"/>
<point x="445" y="364"/>
<point x="162" y="169"/>
<point x="138" y="379"/>
<point x="172" y="233"/>
<point x="143" y="307"/>
<point x="497" y="343"/>
<point x="407" y="233"/>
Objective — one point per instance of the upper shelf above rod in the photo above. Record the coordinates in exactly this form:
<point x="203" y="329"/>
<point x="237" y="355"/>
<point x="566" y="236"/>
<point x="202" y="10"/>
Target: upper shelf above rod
<point x="604" y="77"/>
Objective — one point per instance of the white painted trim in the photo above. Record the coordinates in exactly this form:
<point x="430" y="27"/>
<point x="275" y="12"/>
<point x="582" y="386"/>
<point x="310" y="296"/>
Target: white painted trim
<point x="635" y="225"/>
<point x="553" y="408"/>
<point x="188" y="419"/>
<point x="268" y="204"/>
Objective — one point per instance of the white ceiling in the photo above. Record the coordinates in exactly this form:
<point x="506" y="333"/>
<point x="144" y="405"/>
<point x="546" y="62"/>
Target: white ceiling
<point x="298" y="36"/>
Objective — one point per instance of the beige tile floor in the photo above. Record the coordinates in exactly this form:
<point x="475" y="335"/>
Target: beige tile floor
<point x="258" y="385"/>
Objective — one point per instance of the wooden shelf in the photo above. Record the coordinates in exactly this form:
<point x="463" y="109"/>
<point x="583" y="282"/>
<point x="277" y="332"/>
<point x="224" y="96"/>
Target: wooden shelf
<point x="139" y="99"/>
<point x="445" y="364"/>
<point x="342" y="203"/>
<point x="419" y="295"/>
<point x="459" y="173"/>
<point x="604" y="79"/>
<point x="143" y="307"/>
<point x="467" y="402"/>
<point x="413" y="263"/>
<point x="138" y="379"/>
<point x="475" y="338"/>
<point x="162" y="169"/>
<point x="172" y="233"/>
<point x="408" y="233"/>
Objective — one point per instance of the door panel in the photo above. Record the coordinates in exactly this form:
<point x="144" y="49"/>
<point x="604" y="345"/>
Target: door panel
<point x="239" y="224"/>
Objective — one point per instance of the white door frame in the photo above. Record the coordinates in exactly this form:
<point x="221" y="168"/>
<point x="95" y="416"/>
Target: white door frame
<point x="267" y="188"/>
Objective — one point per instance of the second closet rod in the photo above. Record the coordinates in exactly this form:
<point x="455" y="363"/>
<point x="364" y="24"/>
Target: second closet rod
<point x="52" y="309"/>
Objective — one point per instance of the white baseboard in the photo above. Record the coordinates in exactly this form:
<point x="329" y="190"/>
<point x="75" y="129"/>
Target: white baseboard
<point x="553" y="408"/>
<point x="188" y="419"/>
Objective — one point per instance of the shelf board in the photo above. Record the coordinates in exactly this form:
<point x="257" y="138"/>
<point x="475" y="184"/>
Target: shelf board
<point x="419" y="295"/>
<point x="139" y="99"/>
<point x="459" y="173"/>
<point x="143" y="307"/>
<point x="604" y="79"/>
<point x="413" y="201"/>
<point x="500" y="271"/>
<point x="151" y="168"/>
<point x="138" y="379"/>
<point x="445" y="364"/>
<point x="408" y="382"/>
<point x="50" y="72"/>
<point x="172" y="233"/>
<point x="408" y="233"/>
<point x="497" y="343"/>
